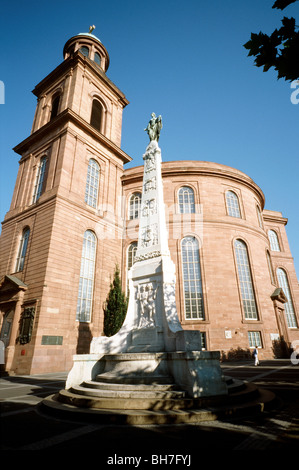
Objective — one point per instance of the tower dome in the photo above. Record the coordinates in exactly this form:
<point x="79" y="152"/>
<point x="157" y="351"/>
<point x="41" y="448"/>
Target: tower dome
<point x="90" y="46"/>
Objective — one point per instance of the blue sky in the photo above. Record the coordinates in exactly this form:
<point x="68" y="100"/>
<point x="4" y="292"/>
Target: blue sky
<point x="182" y="59"/>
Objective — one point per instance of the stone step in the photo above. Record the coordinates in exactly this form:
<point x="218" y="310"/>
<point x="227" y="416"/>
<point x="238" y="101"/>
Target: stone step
<point x="56" y="406"/>
<point x="92" y="400"/>
<point x="86" y="389"/>
<point x="130" y="387"/>
<point x="134" y="379"/>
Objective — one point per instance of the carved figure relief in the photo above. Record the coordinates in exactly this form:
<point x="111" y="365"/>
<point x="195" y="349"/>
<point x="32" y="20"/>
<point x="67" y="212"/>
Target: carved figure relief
<point x="146" y="296"/>
<point x="150" y="184"/>
<point x="150" y="161"/>
<point x="149" y="207"/>
<point x="149" y="236"/>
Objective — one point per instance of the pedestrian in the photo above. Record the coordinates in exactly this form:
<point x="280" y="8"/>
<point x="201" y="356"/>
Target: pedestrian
<point x="255" y="355"/>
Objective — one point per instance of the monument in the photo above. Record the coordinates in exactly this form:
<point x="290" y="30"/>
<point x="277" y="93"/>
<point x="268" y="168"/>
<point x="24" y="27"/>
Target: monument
<point x="151" y="341"/>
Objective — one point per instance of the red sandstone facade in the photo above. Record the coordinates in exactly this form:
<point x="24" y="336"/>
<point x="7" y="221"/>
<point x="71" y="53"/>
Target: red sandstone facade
<point x="73" y="217"/>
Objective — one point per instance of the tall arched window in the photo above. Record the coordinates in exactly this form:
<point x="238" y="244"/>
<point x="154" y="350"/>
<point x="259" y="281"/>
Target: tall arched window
<point x="193" y="295"/>
<point x="273" y="239"/>
<point x="245" y="281"/>
<point x="288" y="306"/>
<point x="22" y="249"/>
<point x="96" y="115"/>
<point x="40" y="179"/>
<point x="134" y="206"/>
<point x="55" y="106"/>
<point x="92" y="183"/>
<point x="86" y="283"/>
<point x="186" y="200"/>
<point x="232" y="202"/>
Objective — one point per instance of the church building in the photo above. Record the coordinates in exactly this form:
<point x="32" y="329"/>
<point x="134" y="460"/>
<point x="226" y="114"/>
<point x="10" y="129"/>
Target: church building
<point x="74" y="217"/>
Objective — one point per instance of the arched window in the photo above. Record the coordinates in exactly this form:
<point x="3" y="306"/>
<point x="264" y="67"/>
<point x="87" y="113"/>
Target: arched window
<point x="131" y="253"/>
<point x="134" y="206"/>
<point x="96" y="115"/>
<point x="288" y="306"/>
<point x="186" y="200"/>
<point x="245" y="281"/>
<point x="40" y="180"/>
<point x="270" y="267"/>
<point x="84" y="50"/>
<point x="55" y="106"/>
<point x="92" y="183"/>
<point x="259" y="217"/>
<point x="97" y="58"/>
<point x="22" y="250"/>
<point x="273" y="239"/>
<point x="85" y="294"/>
<point x="232" y="202"/>
<point x="193" y="295"/>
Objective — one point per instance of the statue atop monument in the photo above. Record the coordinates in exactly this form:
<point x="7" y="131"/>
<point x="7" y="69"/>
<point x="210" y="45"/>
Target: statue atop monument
<point x="154" y="127"/>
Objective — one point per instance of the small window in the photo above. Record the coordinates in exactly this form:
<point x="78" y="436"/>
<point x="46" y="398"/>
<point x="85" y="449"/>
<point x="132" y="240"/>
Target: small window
<point x="186" y="200"/>
<point x="134" y="206"/>
<point x="26" y="325"/>
<point x="232" y="202"/>
<point x="55" y="106"/>
<point x="40" y="180"/>
<point x="84" y="50"/>
<point x="288" y="306"/>
<point x="97" y="58"/>
<point x="96" y="115"/>
<point x="92" y="183"/>
<point x="254" y="339"/>
<point x="22" y="250"/>
<point x="273" y="239"/>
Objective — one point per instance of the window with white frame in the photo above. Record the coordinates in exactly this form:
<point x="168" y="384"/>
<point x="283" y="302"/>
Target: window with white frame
<point x="40" y="180"/>
<point x="232" y="203"/>
<point x="254" y="339"/>
<point x="86" y="283"/>
<point x="245" y="281"/>
<point x="192" y="282"/>
<point x="92" y="183"/>
<point x="186" y="200"/>
<point x="22" y="250"/>
<point x="273" y="239"/>
<point x="131" y="253"/>
<point x="134" y="206"/>
<point x="288" y="306"/>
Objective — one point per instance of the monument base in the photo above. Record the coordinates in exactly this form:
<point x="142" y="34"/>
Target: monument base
<point x="197" y="373"/>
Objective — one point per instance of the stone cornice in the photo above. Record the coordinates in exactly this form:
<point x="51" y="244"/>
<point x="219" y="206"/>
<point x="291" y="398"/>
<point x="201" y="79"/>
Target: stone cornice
<point x="196" y="168"/>
<point x="62" y="119"/>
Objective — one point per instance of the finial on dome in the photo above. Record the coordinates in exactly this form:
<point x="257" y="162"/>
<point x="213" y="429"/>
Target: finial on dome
<point x="91" y="28"/>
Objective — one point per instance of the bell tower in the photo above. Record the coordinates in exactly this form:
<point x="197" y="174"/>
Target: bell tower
<point x="62" y="236"/>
